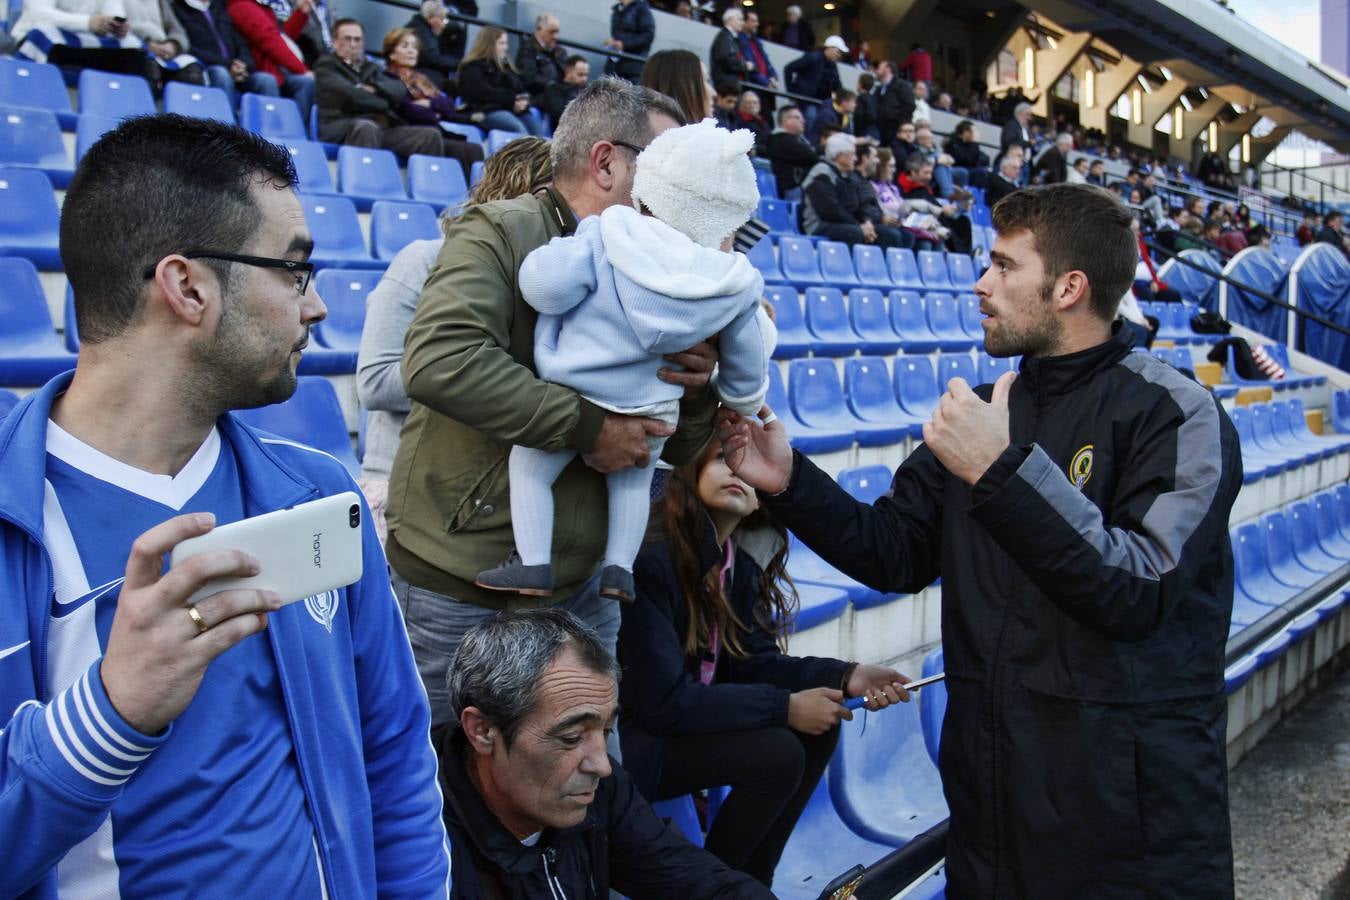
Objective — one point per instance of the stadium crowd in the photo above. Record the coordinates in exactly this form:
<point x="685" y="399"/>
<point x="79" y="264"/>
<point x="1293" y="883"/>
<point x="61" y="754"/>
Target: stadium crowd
<point x="455" y="721"/>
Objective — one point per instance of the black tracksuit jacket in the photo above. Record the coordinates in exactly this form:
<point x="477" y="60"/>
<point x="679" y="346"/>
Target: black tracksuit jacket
<point x="1087" y="583"/>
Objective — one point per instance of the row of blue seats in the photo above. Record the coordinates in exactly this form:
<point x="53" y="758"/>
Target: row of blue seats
<point x="803" y="262"/>
<point x="1275" y="437"/>
<point x="872" y="322"/>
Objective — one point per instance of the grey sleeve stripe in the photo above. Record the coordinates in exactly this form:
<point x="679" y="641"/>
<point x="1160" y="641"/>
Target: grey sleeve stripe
<point x="1174" y="516"/>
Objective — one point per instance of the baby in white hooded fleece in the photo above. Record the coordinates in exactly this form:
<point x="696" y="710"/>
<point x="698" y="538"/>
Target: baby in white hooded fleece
<point x="616" y="296"/>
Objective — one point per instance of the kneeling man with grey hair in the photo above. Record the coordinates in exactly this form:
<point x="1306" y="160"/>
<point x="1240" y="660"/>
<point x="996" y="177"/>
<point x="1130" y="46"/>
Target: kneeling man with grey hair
<point x="534" y="805"/>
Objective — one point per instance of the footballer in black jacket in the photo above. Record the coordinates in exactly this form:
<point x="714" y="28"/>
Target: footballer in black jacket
<point x="1078" y="518"/>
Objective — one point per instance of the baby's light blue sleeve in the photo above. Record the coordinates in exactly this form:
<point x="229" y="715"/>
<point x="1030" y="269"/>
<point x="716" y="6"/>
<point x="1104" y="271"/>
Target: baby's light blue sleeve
<point x="559" y="275"/>
<point x="742" y="366"/>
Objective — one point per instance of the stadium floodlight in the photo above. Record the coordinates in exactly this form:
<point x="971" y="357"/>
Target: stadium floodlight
<point x="1090" y="87"/>
<point x="1213" y="137"/>
<point x="1143" y="83"/>
<point x="1137" y="106"/>
<point x="1178" y="127"/>
<point x="1166" y="73"/>
<point x="1029" y="68"/>
<point x="1246" y="148"/>
<point x="1185" y="101"/>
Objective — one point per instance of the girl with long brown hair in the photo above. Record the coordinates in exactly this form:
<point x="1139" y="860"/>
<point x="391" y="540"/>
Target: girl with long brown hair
<point x="708" y="696"/>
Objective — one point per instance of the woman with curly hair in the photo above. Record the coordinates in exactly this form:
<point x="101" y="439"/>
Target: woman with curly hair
<point x="708" y="696"/>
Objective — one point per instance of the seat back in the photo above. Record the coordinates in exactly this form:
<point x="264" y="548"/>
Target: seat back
<point x="933" y="270"/>
<point x="969" y="307"/>
<point x="826" y="317"/>
<point x="1251" y="567"/>
<point x="334" y="227"/>
<point x="369" y="172"/>
<point x="8" y="400"/>
<point x="762" y="258"/>
<point x="1280" y="549"/>
<point x="944" y="318"/>
<point x="197" y="101"/>
<point x="932" y="705"/>
<point x="990" y="368"/>
<point x="779" y="215"/>
<point x="69" y="325"/>
<point x="312" y="416"/>
<point x="767" y="184"/>
<point x="684" y="814"/>
<point x="797" y="258"/>
<point x="960" y="271"/>
<point x="394" y="225"/>
<point x="956" y="365"/>
<point x="788" y="318"/>
<point x="497" y="139"/>
<point x="275" y="117"/>
<point x="311" y="167"/>
<point x="1303" y="532"/>
<point x="867" y="313"/>
<point x="904" y="269"/>
<point x="29" y="218"/>
<point x="28" y="328"/>
<point x="814" y="389"/>
<point x="870" y="264"/>
<point x="777" y="397"/>
<point x="867" y="382"/>
<point x="866" y="483"/>
<point x="836" y="263"/>
<point x="89" y="130"/>
<point x="908" y="316"/>
<point x="475" y="172"/>
<point x="116" y="96"/>
<point x="31" y="138"/>
<point x="1328" y="530"/>
<point x="344" y="292"/>
<point x="468" y="132"/>
<point x="34" y="85"/>
<point x="916" y="385"/>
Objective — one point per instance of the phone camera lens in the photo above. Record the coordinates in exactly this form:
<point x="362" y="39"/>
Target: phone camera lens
<point x="354" y="515"/>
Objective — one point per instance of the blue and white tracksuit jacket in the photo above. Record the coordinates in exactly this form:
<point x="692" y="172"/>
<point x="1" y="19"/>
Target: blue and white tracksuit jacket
<point x="358" y="713"/>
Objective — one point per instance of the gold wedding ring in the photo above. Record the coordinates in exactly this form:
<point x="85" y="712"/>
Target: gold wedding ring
<point x="197" y="620"/>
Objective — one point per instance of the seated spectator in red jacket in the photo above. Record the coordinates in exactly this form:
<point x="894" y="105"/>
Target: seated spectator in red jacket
<point x="273" y="46"/>
<point x="489" y="85"/>
<point x="748" y="117"/>
<point x="916" y="185"/>
<point x="424" y="104"/>
<point x="1308" y="228"/>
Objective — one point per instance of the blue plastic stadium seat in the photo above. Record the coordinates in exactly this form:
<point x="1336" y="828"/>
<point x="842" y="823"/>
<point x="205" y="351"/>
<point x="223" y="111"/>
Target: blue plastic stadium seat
<point x="980" y="216"/>
<point x="469" y="132"/>
<point x="820" y="603"/>
<point x="932" y="704"/>
<point x="437" y="180"/>
<point x="118" y="96"/>
<point x="990" y="368"/>
<point x="30" y="351"/>
<point x="312" y="416"/>
<point x="29" y="219"/>
<point x="821" y="847"/>
<point x="961" y="271"/>
<point x="933" y="270"/>
<point x="1329" y="533"/>
<point x="1256" y="463"/>
<point x="968" y="307"/>
<point x="871" y="321"/>
<point x="794" y="338"/>
<point x="395" y="225"/>
<point x="944" y="320"/>
<point x="8" y="400"/>
<point x="916" y="386"/>
<point x="195" y="100"/>
<point x="904" y="270"/>
<point x="275" y="117"/>
<point x="836" y="264"/>
<point x="910" y="321"/>
<point x="779" y="215"/>
<point x="1263" y="430"/>
<point x="475" y="172"/>
<point x="761" y="256"/>
<point x="827" y="320"/>
<point x="818" y="400"/>
<point x="797" y="258"/>
<point x="36" y="86"/>
<point x="870" y="264"/>
<point x="866" y="483"/>
<point x="336" y="232"/>
<point x="956" y="365"/>
<point x="684" y="814"/>
<point x="806" y="567"/>
<point x="882" y="781"/>
<point x="31" y="139"/>
<point x="1308" y="550"/>
<point x="311" y="167"/>
<point x="497" y="139"/>
<point x="802" y="436"/>
<point x="1281" y="355"/>
<point x="89" y="129"/>
<point x="366" y="174"/>
<point x="1251" y="566"/>
<point x="1284" y="565"/>
<point x="867" y="384"/>
<point x="344" y="292"/>
<point x="1342" y="493"/>
<point x="1289" y="418"/>
<point x="71" y="331"/>
<point x="767" y="183"/>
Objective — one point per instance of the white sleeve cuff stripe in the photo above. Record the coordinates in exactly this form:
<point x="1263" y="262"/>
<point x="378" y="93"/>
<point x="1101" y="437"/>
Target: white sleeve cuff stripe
<point x="70" y="757"/>
<point x="74" y="737"/>
<point x="81" y="704"/>
<point x="88" y="694"/>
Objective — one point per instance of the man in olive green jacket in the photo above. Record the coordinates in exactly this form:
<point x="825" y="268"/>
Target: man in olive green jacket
<point x="468" y="366"/>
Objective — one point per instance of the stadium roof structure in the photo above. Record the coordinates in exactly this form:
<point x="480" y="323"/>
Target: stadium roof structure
<point x="1208" y="46"/>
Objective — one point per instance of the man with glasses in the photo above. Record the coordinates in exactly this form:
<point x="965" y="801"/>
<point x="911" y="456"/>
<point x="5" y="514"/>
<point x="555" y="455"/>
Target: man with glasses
<point x="469" y="369"/>
<point x="153" y="746"/>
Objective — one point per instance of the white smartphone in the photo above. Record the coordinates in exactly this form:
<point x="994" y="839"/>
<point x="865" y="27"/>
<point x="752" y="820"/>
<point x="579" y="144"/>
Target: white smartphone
<point x="301" y="551"/>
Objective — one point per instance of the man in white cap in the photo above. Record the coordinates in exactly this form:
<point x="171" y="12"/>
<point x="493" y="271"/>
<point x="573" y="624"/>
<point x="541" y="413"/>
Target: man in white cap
<point x="816" y="74"/>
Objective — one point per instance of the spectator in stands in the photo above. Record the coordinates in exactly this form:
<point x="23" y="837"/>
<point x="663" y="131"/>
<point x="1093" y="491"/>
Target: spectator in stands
<point x="837" y="115"/>
<point x="534" y="805"/>
<point x="816" y="74"/>
<point x="966" y="155"/>
<point x="520" y="167"/>
<point x="789" y="152"/>
<point x="681" y="76"/>
<point x="316" y="38"/>
<point x="357" y="101"/>
<point x="752" y="48"/>
<point x="895" y="100"/>
<point x="726" y="62"/>
<point x="1307" y="230"/>
<point x="916" y="184"/>
<point x="275" y="53"/>
<point x="423" y="103"/>
<point x="1330" y="232"/>
<point x="986" y="505"/>
<point x="709" y="698"/>
<point x="466" y="370"/>
<point x="862" y="56"/>
<point x="832" y="204"/>
<point x="488" y="84"/>
<point x="797" y="32"/>
<point x="540" y="60"/>
<point x="441" y="40"/>
<point x="865" y="109"/>
<point x="918" y="66"/>
<point x="922" y="111"/>
<point x="1213" y="172"/>
<point x="950" y="182"/>
<point x="1016" y="131"/>
<point x="632" y="28"/>
<point x="1242" y="218"/>
<point x="223" y="54"/>
<point x="144" y="39"/>
<point x="904" y="145"/>
<point x="1259" y="236"/>
<point x="576" y="74"/>
<point x="944" y="102"/>
<point x="748" y="117"/>
<point x="865" y="173"/>
<point x="144" y="702"/>
<point x="1052" y="166"/>
<point x="1097" y="173"/>
<point x="894" y="212"/>
<point x="1007" y="179"/>
<point x="724" y="104"/>
<point x="1192" y="235"/>
<point x="1078" y="172"/>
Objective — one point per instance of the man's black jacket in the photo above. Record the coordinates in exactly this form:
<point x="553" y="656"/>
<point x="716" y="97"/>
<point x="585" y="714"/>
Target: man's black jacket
<point x="1087" y="585"/>
<point x="725" y="62"/>
<point x="538" y="67"/>
<point x="339" y="91"/>
<point x="212" y="38"/>
<point x="621" y="844"/>
<point x="812" y="75"/>
<point x="895" y="104"/>
<point x="791" y="157"/>
<point x="635" y="26"/>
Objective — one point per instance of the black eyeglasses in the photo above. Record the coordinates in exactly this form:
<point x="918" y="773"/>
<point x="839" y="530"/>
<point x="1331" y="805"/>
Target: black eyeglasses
<point x="302" y="270"/>
<point x="634" y="147"/>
